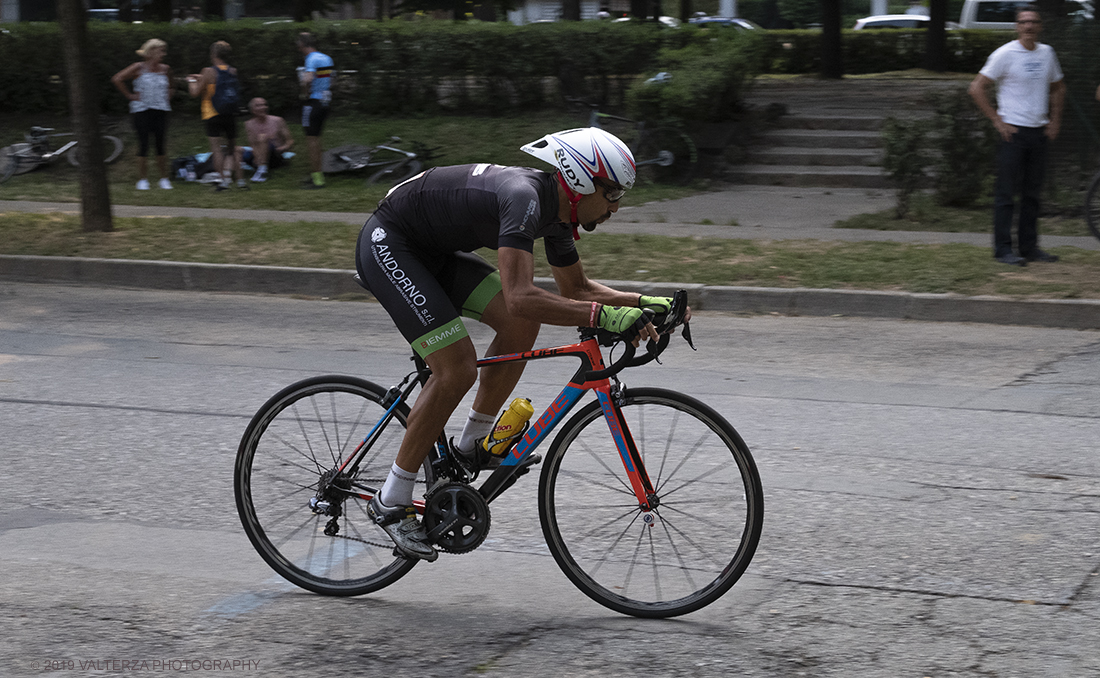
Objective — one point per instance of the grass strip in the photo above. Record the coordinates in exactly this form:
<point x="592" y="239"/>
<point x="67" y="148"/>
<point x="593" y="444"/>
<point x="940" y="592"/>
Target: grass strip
<point x="937" y="268"/>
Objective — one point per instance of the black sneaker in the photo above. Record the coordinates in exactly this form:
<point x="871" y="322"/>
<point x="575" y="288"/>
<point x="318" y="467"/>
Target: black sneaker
<point x="407" y="533"/>
<point x="1041" y="256"/>
<point x="1012" y="260"/>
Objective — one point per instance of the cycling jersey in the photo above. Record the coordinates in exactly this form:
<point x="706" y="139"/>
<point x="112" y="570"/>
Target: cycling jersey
<point x="412" y="253"/>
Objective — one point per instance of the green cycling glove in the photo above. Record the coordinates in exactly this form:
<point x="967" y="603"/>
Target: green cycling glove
<point x="659" y="305"/>
<point x="618" y="319"/>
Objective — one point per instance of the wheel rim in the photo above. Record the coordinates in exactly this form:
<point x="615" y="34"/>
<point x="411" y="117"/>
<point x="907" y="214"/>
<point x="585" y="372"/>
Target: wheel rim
<point x="302" y="436"/>
<point x="686" y="552"/>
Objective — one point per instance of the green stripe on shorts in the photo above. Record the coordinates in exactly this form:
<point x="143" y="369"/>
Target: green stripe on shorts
<point x="440" y="338"/>
<point x="475" y="304"/>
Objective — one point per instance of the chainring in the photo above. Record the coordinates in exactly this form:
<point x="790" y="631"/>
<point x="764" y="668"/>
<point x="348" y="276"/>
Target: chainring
<point x="456" y="517"/>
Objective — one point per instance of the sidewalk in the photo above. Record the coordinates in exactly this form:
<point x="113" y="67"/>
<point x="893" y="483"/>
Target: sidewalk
<point x="759" y="212"/>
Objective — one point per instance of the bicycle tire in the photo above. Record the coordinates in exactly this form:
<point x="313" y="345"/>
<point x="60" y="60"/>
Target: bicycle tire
<point x="112" y="148"/>
<point x="292" y="440"/>
<point x="1092" y="206"/>
<point x="7" y="164"/>
<point x="666" y="156"/>
<point x="689" y="550"/>
<point x="395" y="174"/>
<point x="346" y="158"/>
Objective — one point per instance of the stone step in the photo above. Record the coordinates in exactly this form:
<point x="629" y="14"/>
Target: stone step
<point x="806" y="176"/>
<point x="863" y="123"/>
<point x="834" y="157"/>
<point x="817" y="138"/>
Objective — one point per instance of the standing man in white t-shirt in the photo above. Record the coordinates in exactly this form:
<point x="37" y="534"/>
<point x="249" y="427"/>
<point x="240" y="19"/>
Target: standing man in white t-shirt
<point x="1030" y="93"/>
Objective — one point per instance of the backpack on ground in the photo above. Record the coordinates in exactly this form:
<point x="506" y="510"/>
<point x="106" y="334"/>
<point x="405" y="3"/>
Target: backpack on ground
<point x="227" y="93"/>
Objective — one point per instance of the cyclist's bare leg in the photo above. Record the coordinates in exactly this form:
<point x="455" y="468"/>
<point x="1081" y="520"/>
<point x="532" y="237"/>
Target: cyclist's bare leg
<point x="454" y="371"/>
<point x="314" y="146"/>
<point x="216" y="153"/>
<point x="514" y="335"/>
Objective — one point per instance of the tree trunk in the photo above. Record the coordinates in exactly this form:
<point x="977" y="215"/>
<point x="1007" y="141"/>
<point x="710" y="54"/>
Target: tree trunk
<point x="571" y="10"/>
<point x="215" y="8"/>
<point x="935" y="46"/>
<point x="157" y="10"/>
<point x="832" y="61"/>
<point x="95" y="196"/>
<point x="125" y="11"/>
<point x="639" y="9"/>
<point x="685" y="10"/>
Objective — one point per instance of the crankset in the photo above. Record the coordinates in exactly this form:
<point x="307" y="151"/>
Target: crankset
<point x="456" y="517"/>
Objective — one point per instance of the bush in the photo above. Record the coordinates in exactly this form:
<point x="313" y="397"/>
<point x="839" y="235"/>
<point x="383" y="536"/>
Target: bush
<point x="905" y="143"/>
<point x="707" y="80"/>
<point x="965" y="143"/>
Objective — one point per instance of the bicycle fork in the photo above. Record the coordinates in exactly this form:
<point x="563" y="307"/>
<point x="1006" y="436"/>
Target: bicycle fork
<point x="611" y="400"/>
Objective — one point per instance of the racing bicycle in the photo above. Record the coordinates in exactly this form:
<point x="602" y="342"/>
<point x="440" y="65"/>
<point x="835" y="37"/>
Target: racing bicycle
<point x="649" y="500"/>
<point x="387" y="164"/>
<point x="36" y="150"/>
<point x="662" y="154"/>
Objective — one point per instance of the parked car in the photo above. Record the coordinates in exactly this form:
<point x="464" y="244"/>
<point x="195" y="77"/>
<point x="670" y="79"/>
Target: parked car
<point x="892" y="21"/>
<point x="1001" y="14"/>
<point x="666" y="21"/>
<point x="726" y="22"/>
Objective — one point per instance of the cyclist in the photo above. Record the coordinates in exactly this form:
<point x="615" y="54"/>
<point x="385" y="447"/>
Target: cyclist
<point x="415" y="256"/>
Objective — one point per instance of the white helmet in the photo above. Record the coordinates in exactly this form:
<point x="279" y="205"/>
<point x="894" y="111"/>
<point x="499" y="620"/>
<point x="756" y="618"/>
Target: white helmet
<point x="584" y="153"/>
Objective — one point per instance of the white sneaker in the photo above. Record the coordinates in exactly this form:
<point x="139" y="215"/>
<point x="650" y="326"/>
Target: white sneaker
<point x="165" y="184"/>
<point x="260" y="176"/>
<point x="143" y="185"/>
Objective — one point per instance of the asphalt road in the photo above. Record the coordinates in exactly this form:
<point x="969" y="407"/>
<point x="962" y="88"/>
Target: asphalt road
<point x="933" y="499"/>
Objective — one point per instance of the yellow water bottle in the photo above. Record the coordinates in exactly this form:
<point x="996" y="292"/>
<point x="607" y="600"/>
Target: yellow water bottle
<point x="511" y="424"/>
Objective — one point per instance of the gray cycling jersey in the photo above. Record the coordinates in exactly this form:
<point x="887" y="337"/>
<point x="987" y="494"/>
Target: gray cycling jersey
<point x="465" y="207"/>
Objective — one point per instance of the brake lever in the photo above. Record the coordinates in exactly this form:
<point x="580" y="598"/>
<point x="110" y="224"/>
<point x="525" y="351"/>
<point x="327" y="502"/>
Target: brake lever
<point x="687" y="336"/>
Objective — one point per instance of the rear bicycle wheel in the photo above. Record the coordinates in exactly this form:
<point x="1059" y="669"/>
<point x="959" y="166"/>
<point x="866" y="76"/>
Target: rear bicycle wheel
<point x="395" y="174"/>
<point x="290" y="449"/>
<point x="17" y="159"/>
<point x="112" y="148"/>
<point x="693" y="546"/>
<point x="1092" y="206"/>
<point x="666" y="156"/>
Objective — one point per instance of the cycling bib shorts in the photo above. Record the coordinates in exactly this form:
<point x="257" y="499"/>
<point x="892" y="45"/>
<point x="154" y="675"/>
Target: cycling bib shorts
<point x="424" y="292"/>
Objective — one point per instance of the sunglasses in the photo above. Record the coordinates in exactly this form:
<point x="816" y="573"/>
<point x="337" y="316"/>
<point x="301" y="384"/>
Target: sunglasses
<point x="612" y="193"/>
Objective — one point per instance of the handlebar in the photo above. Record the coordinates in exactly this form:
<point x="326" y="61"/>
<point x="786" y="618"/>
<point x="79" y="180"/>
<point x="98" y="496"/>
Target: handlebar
<point x="664" y="326"/>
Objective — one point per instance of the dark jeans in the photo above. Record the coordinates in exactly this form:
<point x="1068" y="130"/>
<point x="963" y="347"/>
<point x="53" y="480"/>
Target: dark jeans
<point x="1021" y="164"/>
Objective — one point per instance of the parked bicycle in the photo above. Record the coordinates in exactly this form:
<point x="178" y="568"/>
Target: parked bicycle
<point x="1092" y="206"/>
<point x="663" y="154"/>
<point x="665" y="533"/>
<point x="387" y="164"/>
<point x="35" y="151"/>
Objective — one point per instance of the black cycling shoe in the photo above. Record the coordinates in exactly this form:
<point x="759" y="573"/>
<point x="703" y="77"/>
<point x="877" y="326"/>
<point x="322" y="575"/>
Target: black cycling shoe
<point x="400" y="523"/>
<point x="1041" y="256"/>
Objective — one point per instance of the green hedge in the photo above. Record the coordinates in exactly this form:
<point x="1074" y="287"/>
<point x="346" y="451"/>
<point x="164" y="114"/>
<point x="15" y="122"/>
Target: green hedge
<point x="799" y="51"/>
<point x="485" y="68"/>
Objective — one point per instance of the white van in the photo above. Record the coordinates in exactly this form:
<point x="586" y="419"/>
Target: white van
<point x="1001" y="14"/>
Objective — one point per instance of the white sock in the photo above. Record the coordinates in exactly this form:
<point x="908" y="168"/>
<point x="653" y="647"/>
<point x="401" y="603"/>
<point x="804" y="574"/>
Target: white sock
<point x="398" y="488"/>
<point x="478" y="426"/>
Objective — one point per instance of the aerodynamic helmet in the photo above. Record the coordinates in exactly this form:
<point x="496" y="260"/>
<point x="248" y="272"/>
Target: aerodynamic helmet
<point x="583" y="154"/>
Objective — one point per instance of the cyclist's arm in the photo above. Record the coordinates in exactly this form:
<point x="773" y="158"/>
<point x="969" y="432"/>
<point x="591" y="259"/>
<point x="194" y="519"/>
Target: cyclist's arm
<point x="523" y="299"/>
<point x="574" y="284"/>
<point x="197" y="82"/>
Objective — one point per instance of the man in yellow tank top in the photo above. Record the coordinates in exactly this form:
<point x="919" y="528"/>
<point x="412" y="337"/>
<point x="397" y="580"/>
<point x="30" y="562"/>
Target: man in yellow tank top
<point x="218" y="126"/>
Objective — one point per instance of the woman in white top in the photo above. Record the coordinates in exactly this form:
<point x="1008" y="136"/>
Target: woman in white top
<point x="149" y="104"/>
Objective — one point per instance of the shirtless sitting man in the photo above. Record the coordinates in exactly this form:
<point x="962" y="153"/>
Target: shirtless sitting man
<point x="269" y="137"/>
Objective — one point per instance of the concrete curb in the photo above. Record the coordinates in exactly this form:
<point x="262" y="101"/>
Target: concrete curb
<point x="171" y="275"/>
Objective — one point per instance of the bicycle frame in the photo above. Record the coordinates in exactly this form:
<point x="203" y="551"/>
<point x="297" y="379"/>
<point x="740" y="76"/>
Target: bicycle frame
<point x="589" y="377"/>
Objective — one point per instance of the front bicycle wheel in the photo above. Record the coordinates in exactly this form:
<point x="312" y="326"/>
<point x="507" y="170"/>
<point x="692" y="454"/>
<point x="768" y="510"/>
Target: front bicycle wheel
<point x="692" y="546"/>
<point x="289" y="455"/>
<point x="666" y="156"/>
<point x="1092" y="206"/>
<point x="112" y="148"/>
<point x="346" y="158"/>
